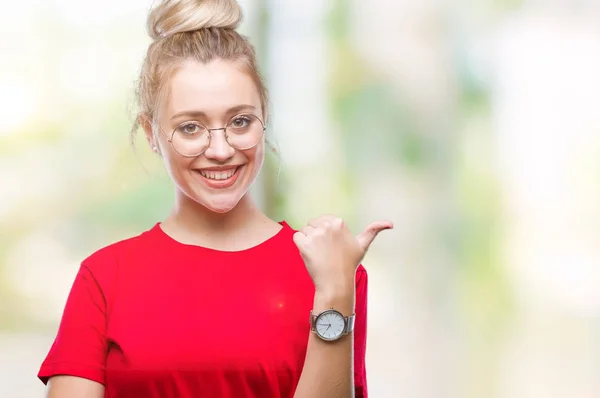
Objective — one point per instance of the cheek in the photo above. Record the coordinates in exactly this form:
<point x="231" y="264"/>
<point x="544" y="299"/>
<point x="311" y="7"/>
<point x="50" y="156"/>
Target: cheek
<point x="260" y="154"/>
<point x="258" y="158"/>
<point x="176" y="165"/>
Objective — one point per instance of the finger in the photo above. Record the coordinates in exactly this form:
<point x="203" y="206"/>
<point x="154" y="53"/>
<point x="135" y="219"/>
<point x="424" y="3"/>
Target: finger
<point x="300" y="240"/>
<point x="324" y="220"/>
<point x="307" y="230"/>
<point x="366" y="237"/>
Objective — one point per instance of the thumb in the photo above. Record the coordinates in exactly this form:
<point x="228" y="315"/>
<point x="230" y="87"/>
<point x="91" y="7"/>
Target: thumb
<point x="366" y="237"/>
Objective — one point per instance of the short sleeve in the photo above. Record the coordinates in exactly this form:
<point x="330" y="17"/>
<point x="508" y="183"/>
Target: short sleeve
<point x="80" y="346"/>
<point x="360" y="334"/>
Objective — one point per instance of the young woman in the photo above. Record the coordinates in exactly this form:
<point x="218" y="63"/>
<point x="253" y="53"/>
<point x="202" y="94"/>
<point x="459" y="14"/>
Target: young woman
<point x="217" y="300"/>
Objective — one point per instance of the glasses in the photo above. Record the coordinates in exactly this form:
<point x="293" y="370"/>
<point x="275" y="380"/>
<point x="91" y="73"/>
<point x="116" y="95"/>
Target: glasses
<point x="192" y="138"/>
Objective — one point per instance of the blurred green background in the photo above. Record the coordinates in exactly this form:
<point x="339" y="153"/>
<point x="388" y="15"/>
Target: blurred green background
<point x="474" y="126"/>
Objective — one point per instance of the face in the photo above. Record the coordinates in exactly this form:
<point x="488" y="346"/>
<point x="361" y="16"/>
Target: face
<point x="210" y="95"/>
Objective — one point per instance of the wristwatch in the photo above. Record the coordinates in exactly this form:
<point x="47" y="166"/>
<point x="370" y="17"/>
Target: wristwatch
<point x="330" y="324"/>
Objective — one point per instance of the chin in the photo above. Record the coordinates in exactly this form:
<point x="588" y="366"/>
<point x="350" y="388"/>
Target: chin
<point x="221" y="206"/>
<point x="219" y="209"/>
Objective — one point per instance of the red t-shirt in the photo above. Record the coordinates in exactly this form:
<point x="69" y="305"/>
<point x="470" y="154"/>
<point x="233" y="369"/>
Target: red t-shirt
<point x="151" y="317"/>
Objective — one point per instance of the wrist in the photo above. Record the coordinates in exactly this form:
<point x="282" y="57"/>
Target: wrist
<point x="336" y="283"/>
<point x="339" y="298"/>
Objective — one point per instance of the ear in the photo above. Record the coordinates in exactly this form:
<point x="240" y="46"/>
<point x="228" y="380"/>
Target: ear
<point x="146" y="124"/>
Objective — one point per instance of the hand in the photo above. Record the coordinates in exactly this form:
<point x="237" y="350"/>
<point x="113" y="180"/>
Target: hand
<point x="331" y="252"/>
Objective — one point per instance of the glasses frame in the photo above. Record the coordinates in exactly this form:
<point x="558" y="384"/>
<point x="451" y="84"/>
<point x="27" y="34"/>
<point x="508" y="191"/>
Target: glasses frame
<point x="224" y="129"/>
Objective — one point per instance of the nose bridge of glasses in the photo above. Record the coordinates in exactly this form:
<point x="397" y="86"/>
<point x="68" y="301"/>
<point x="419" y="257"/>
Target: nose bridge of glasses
<point x="220" y="128"/>
<point x="224" y="139"/>
<point x="211" y="137"/>
<point x="218" y="146"/>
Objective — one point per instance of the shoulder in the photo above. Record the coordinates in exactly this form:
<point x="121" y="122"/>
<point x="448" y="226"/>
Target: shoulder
<point x="107" y="259"/>
<point x="285" y="237"/>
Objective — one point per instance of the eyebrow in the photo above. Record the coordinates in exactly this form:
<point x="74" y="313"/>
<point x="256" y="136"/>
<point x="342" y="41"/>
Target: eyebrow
<point x="235" y="109"/>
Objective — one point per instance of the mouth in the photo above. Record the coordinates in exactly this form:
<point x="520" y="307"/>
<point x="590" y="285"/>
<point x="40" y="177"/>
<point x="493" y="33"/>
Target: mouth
<point x="219" y="178"/>
<point x="218" y="175"/>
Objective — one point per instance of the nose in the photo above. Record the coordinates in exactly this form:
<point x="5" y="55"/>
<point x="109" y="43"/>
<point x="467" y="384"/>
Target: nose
<point x="218" y="147"/>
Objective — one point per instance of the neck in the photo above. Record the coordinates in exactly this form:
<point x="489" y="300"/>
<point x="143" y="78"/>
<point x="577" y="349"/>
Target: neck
<point x="194" y="218"/>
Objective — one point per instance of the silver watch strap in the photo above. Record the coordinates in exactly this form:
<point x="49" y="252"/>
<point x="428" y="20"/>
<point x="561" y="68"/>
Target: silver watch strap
<point x="349" y="323"/>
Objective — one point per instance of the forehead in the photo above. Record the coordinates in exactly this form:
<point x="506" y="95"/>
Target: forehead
<point x="212" y="88"/>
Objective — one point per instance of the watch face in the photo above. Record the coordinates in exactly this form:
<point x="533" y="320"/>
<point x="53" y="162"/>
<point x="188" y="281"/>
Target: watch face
<point x="330" y="325"/>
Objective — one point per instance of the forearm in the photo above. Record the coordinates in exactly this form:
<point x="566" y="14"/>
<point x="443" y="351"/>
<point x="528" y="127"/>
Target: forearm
<point x="327" y="370"/>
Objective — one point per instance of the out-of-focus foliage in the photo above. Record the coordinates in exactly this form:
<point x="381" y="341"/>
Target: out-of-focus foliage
<point x="473" y="127"/>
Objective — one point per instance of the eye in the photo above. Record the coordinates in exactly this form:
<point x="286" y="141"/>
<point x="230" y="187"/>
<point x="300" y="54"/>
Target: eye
<point x="190" y="128"/>
<point x="240" y="122"/>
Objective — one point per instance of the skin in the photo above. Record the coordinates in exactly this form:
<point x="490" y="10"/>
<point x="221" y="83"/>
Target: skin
<point x="227" y="219"/>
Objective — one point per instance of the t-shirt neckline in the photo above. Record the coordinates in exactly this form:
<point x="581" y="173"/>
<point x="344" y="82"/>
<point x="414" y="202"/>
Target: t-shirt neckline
<point x="158" y="231"/>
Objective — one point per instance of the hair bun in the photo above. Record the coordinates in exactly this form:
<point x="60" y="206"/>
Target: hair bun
<point x="169" y="17"/>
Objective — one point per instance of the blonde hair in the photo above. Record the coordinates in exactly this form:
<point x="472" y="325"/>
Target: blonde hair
<point x="201" y="30"/>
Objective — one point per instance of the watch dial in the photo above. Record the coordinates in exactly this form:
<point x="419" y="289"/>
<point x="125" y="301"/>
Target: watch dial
<point x="330" y="325"/>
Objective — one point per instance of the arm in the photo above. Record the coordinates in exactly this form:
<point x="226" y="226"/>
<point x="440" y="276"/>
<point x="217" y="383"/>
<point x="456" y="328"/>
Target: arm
<point x="74" y="367"/>
<point x="331" y="255"/>
<point x="327" y="368"/>
<point x="72" y="387"/>
<point x="320" y="356"/>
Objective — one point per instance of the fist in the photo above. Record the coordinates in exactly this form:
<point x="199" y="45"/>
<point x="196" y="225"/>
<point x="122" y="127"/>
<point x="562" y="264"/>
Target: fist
<point x="331" y="252"/>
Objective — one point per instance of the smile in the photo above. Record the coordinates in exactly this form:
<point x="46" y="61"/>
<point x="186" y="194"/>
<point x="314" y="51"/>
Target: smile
<point x="218" y="175"/>
<point x="219" y="178"/>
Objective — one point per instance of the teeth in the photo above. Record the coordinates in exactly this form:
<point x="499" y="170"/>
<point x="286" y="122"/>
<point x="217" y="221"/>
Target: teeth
<point x="218" y="175"/>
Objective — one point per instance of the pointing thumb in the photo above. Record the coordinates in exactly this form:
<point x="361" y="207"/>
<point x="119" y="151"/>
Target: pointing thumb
<point x="366" y="237"/>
